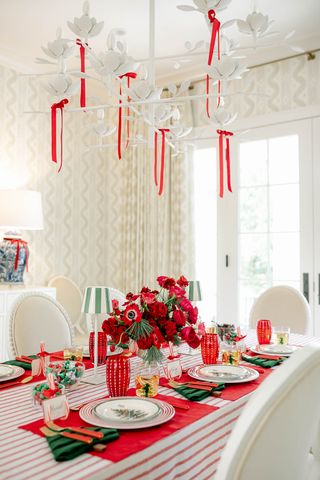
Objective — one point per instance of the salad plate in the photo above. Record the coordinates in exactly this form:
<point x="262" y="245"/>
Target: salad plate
<point x="10" y="372"/>
<point x="127" y="412"/>
<point x="273" y="349"/>
<point x="223" y="373"/>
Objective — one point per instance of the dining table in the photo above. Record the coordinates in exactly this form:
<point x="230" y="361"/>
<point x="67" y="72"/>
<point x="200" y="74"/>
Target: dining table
<point x="189" y="446"/>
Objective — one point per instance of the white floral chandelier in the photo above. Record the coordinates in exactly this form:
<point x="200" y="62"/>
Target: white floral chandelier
<point x="133" y="88"/>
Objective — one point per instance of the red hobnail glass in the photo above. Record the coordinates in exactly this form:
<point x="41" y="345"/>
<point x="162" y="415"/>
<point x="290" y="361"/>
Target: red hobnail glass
<point x="264" y="331"/>
<point x="102" y="347"/>
<point x="210" y="348"/>
<point x="118" y="375"/>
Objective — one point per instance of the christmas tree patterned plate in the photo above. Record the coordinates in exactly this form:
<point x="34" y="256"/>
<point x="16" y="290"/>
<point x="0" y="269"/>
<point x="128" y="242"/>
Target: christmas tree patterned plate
<point x="127" y="412"/>
<point x="223" y="373"/>
<point x="10" y="372"/>
<point x="272" y="349"/>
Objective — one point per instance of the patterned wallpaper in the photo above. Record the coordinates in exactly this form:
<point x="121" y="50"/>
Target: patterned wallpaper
<point x="104" y="223"/>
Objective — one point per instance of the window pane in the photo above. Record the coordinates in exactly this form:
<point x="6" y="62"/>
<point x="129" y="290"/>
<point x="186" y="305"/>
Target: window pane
<point x="285" y="256"/>
<point x="253" y="165"/>
<point x="205" y="190"/>
<point x="284" y="159"/>
<point x="284" y="208"/>
<point x="253" y="209"/>
<point x="254" y="259"/>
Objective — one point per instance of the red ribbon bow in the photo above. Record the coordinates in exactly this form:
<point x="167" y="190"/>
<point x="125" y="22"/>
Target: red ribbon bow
<point x="57" y="106"/>
<point x="163" y="154"/>
<point x="222" y="134"/>
<point x="83" y="70"/>
<point x="19" y="243"/>
<point x="128" y="75"/>
<point x="215" y="32"/>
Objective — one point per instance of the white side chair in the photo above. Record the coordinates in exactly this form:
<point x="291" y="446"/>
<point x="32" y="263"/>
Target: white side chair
<point x="114" y="294"/>
<point x="70" y="297"/>
<point x="284" y="306"/>
<point x="275" y="433"/>
<point x="35" y="317"/>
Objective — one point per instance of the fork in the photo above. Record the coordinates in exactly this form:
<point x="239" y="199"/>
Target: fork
<point x="74" y="436"/>
<point x="84" y="431"/>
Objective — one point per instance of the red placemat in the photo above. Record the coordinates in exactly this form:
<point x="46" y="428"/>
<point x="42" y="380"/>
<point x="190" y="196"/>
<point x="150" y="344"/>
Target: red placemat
<point x="133" y="441"/>
<point x="232" y="391"/>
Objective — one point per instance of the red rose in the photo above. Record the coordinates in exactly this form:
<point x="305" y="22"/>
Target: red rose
<point x="179" y="317"/>
<point x="182" y="281"/>
<point x="115" y="304"/>
<point x="193" y="315"/>
<point x="132" y="313"/>
<point x="166" y="282"/>
<point x="189" y="335"/>
<point x="176" y="291"/>
<point x="170" y="328"/>
<point x="145" y="343"/>
<point x="185" y="304"/>
<point x="147" y="298"/>
<point x="162" y="309"/>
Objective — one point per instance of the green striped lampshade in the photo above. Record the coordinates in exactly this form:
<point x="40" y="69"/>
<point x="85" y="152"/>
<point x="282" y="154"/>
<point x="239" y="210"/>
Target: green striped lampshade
<point x="194" y="291"/>
<point x="96" y="300"/>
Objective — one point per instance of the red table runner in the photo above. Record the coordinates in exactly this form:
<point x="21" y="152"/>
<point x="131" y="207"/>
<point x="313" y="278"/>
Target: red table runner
<point x="133" y="441"/>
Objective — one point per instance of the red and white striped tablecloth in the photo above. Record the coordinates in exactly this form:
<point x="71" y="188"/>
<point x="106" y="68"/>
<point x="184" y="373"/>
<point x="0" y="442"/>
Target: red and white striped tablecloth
<point x="190" y="453"/>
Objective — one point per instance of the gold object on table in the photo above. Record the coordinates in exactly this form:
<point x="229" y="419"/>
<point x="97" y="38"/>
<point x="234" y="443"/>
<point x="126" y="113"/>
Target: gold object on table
<point x="74" y="352"/>
<point x="281" y="335"/>
<point x="147" y="381"/>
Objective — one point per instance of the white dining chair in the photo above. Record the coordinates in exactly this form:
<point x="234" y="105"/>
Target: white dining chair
<point x="70" y="297"/>
<point x="283" y="306"/>
<point x="36" y="317"/>
<point x="114" y="294"/>
<point x="275" y="436"/>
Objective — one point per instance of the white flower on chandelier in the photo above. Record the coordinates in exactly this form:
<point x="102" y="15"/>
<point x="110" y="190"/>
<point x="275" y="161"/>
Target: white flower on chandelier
<point x="256" y="24"/>
<point x="112" y="62"/>
<point x="179" y="131"/>
<point x="59" y="48"/>
<point x="100" y="128"/>
<point x="227" y="45"/>
<point x="143" y="90"/>
<point x="62" y="86"/>
<point x="164" y="112"/>
<point x="226" y="69"/>
<point x="221" y="117"/>
<point x="203" y="6"/>
<point x="85" y="26"/>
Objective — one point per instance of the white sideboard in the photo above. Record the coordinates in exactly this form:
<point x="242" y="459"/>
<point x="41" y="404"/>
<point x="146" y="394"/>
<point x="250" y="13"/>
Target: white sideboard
<point x="8" y="295"/>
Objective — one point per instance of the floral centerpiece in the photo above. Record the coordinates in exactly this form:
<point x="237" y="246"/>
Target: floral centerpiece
<point x="152" y="318"/>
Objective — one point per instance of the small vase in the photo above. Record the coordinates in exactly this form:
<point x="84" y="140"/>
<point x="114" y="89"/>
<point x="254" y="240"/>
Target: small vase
<point x="147" y="380"/>
<point x="210" y="348"/>
<point x="118" y="375"/>
<point x="264" y="331"/>
<point x="230" y="353"/>
<point x="102" y="347"/>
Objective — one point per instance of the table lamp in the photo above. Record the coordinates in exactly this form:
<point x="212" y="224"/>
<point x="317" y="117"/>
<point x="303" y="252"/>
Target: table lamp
<point x="19" y="210"/>
<point x="96" y="301"/>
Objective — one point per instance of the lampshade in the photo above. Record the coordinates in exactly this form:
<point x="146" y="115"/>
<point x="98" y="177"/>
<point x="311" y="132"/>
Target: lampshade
<point x="20" y="210"/>
<point x="194" y="291"/>
<point x="96" y="300"/>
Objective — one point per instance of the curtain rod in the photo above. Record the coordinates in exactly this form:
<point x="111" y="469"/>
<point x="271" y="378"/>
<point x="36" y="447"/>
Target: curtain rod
<point x="310" y="56"/>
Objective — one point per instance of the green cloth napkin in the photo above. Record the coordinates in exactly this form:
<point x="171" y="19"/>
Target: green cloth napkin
<point x="17" y="363"/>
<point x="196" y="395"/>
<point x="262" y="362"/>
<point x="64" y="448"/>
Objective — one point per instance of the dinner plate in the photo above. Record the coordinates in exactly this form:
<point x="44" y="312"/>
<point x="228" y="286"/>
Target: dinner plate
<point x="117" y="351"/>
<point x="272" y="349"/>
<point x="223" y="373"/>
<point x="127" y="413"/>
<point x="10" y="372"/>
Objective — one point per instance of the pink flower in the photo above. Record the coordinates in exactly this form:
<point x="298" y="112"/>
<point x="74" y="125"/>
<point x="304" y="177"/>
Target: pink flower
<point x="115" y="304"/>
<point x="193" y="315"/>
<point x="185" y="304"/>
<point x="166" y="282"/>
<point x="179" y="317"/>
<point x="176" y="291"/>
<point x="189" y="335"/>
<point x="147" y="298"/>
<point x="182" y="281"/>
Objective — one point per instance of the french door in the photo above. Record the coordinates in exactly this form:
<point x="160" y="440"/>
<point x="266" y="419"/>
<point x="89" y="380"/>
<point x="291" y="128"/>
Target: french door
<point x="266" y="230"/>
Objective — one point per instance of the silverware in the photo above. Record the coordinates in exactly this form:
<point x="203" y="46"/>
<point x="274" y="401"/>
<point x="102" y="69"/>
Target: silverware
<point x="74" y="436"/>
<point x="16" y="382"/>
<point x="82" y="430"/>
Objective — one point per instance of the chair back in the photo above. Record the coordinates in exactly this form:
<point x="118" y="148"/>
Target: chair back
<point x="69" y="296"/>
<point x="283" y="306"/>
<point x="35" y="317"/>
<point x="274" y="434"/>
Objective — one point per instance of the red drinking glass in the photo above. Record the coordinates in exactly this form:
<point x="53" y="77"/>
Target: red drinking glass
<point x="118" y="375"/>
<point x="210" y="348"/>
<point x="264" y="331"/>
<point x="102" y="347"/>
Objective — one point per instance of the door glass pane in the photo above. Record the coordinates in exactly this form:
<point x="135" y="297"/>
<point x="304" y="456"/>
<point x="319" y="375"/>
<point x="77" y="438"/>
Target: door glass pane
<point x="269" y="217"/>
<point x="205" y="214"/>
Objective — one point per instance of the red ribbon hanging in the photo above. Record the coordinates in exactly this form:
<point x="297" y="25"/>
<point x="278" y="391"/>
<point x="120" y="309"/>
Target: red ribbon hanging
<point x="83" y="70"/>
<point x="19" y="243"/>
<point x="163" y="155"/>
<point x="215" y="33"/>
<point x="57" y="106"/>
<point x="224" y="134"/>
<point x="129" y="75"/>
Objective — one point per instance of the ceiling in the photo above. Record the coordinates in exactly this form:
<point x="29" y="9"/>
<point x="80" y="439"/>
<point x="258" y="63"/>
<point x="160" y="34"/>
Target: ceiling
<point x="26" y="25"/>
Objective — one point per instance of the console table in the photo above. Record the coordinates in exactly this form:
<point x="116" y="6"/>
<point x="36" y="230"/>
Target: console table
<point x="8" y="295"/>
